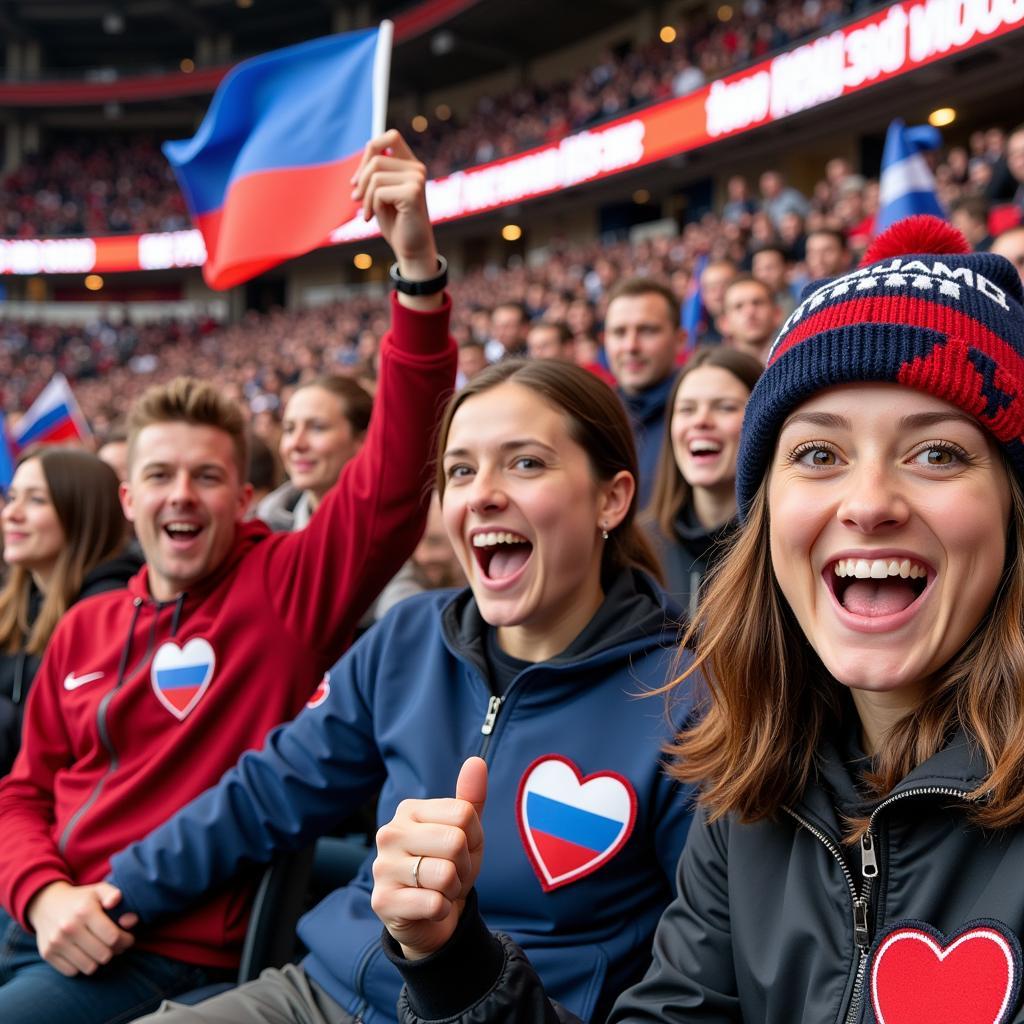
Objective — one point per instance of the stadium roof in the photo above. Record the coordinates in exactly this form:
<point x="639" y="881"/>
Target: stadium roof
<point x="79" y="37"/>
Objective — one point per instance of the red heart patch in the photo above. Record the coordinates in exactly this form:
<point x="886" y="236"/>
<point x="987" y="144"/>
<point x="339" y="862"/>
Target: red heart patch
<point x="918" y="976"/>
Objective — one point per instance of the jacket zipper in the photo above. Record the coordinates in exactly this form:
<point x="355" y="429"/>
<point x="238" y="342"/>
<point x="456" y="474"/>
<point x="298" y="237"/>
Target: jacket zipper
<point x="493" y="707"/>
<point x="859" y="901"/>
<point x="869" y="872"/>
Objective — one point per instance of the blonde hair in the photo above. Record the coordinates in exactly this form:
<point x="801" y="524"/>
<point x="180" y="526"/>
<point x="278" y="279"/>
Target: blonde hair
<point x="191" y="401"/>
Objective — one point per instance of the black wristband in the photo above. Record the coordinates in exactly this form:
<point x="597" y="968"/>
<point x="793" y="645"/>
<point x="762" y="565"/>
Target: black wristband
<point x="431" y="286"/>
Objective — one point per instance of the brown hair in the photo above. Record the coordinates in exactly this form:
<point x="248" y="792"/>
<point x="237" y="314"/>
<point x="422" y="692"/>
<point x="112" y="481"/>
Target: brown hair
<point x="597" y="423"/>
<point x="83" y="490"/>
<point x="356" y="402"/>
<point x="191" y="401"/>
<point x="768" y="697"/>
<point x="671" y="491"/>
<point x="631" y="287"/>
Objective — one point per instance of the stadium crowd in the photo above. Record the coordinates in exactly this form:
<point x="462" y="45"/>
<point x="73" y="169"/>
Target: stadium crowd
<point x="83" y="186"/>
<point x="836" y="530"/>
<point x="760" y="228"/>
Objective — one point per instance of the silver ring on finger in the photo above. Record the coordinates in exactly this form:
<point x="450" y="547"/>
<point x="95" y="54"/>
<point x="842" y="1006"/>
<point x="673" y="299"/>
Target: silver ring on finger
<point x="416" y="872"/>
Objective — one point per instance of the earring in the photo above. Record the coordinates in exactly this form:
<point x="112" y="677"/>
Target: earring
<point x="604" y="531"/>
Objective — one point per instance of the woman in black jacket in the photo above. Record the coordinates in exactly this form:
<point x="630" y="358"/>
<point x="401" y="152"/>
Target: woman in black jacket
<point x="64" y="536"/>
<point x="858" y="851"/>
<point x="692" y="515"/>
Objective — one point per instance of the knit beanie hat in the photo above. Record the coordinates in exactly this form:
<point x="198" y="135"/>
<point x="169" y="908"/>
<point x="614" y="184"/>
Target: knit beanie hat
<point x="922" y="311"/>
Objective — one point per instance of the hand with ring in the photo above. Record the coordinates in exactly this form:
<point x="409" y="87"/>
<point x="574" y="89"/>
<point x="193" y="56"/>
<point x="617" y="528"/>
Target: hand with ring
<point x="428" y="858"/>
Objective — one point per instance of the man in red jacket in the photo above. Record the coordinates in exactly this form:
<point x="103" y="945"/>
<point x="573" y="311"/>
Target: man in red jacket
<point x="146" y="696"/>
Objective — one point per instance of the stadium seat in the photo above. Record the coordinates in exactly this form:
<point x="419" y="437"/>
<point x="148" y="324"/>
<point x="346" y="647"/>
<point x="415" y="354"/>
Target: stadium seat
<point x="291" y="884"/>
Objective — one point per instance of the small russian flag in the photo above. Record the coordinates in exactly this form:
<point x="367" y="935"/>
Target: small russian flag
<point x="53" y="417"/>
<point x="266" y="176"/>
<point x="907" y="185"/>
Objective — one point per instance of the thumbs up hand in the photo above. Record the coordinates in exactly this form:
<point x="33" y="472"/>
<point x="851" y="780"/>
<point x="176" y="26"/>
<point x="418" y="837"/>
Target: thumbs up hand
<point x="428" y="858"/>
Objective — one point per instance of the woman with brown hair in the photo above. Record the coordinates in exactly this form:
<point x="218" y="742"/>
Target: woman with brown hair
<point x="857" y="852"/>
<point x="559" y="629"/>
<point x="692" y="514"/>
<point x="63" y="540"/>
<point x="323" y="427"/>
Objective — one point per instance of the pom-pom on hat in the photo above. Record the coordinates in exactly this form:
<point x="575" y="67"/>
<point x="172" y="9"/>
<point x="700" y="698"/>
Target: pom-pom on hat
<point x="922" y="311"/>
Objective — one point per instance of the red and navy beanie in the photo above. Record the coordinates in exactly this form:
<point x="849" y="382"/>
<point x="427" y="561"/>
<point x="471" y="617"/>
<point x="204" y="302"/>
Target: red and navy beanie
<point x="922" y="311"/>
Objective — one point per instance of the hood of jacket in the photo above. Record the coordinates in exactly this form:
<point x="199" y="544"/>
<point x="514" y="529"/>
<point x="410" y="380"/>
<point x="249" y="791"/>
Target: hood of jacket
<point x="112" y="574"/>
<point x="635" y="614"/>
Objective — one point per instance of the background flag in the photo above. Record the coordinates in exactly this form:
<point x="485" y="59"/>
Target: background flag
<point x="907" y="183"/>
<point x="266" y="176"/>
<point x="692" y="313"/>
<point x="53" y="417"/>
<point x="6" y="455"/>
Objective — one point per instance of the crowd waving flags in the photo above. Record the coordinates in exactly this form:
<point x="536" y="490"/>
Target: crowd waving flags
<point x="907" y="185"/>
<point x="53" y="418"/>
<point x="266" y="176"/>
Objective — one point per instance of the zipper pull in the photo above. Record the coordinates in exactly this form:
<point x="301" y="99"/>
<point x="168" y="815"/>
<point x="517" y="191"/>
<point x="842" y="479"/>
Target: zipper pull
<point x="493" y="707"/>
<point x="861" y="932"/>
<point x="868" y="861"/>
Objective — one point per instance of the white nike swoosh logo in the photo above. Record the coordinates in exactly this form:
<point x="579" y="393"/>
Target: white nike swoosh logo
<point x="71" y="682"/>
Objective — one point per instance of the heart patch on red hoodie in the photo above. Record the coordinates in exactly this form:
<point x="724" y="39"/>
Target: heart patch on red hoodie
<point x="920" y="976"/>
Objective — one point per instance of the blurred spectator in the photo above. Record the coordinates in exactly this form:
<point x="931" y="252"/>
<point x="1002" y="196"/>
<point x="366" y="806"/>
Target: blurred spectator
<point x="64" y="538"/>
<point x="750" y="316"/>
<point x="778" y="198"/>
<point x="324" y="426"/>
<point x="713" y="282"/>
<point x="1010" y="244"/>
<point x="643" y="340"/>
<point x="508" y="332"/>
<point x="472" y="359"/>
<point x="827" y="254"/>
<point x="550" y="340"/>
<point x="770" y="265"/>
<point x="739" y="206"/>
<point x="692" y="513"/>
<point x="433" y="566"/>
<point x="969" y="214"/>
<point x="264" y="471"/>
<point x="114" y="452"/>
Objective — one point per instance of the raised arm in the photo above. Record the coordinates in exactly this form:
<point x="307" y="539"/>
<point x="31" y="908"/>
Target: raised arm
<point x="323" y="578"/>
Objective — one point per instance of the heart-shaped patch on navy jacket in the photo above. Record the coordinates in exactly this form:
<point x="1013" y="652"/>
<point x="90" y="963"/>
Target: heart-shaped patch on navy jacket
<point x="920" y="976"/>
<point x="180" y="675"/>
<point x="572" y="825"/>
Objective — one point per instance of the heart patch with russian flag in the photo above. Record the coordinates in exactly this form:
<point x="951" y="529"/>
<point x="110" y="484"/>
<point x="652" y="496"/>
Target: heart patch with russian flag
<point x="180" y="675"/>
<point x="321" y="693"/>
<point x="571" y="825"/>
<point x="920" y="976"/>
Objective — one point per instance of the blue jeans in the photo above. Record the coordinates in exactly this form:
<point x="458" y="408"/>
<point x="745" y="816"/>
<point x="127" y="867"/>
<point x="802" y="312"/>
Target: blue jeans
<point x="134" y="983"/>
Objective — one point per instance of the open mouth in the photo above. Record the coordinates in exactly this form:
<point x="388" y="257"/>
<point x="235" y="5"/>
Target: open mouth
<point x="877" y="587"/>
<point x="501" y="553"/>
<point x="704" y="450"/>
<point x="182" y="533"/>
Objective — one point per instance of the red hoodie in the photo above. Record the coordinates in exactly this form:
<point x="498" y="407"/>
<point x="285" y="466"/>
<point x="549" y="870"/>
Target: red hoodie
<point x="140" y="706"/>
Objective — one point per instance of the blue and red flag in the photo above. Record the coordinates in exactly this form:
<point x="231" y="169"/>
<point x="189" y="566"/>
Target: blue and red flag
<point x="54" y="417"/>
<point x="692" y="314"/>
<point x="266" y="176"/>
<point x="907" y="185"/>
<point x="6" y="455"/>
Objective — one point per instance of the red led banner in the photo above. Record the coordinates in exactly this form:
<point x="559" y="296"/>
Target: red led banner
<point x="890" y="42"/>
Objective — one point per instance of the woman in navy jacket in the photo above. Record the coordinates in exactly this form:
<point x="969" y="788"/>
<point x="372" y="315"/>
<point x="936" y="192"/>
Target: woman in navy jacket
<point x="536" y="668"/>
<point x="858" y="849"/>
